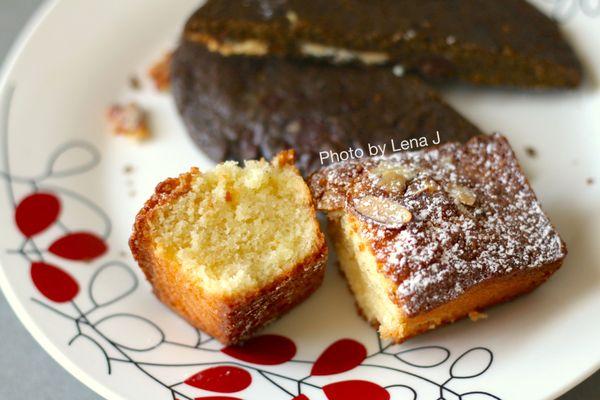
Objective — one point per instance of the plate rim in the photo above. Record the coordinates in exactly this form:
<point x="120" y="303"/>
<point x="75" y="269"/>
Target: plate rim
<point x="41" y="13"/>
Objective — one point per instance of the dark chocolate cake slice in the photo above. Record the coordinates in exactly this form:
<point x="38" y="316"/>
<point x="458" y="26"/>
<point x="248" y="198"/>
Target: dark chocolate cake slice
<point x="242" y="107"/>
<point x="491" y="42"/>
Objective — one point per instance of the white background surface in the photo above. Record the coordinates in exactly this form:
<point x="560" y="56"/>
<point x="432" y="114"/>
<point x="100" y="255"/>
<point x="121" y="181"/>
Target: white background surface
<point x="26" y="371"/>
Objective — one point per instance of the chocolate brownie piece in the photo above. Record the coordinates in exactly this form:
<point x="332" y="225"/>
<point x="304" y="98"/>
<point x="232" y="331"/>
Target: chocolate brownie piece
<point x="246" y="107"/>
<point x="491" y="42"/>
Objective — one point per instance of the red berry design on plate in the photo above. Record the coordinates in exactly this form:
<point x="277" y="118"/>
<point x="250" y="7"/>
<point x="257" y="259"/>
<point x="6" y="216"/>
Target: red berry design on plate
<point x="79" y="246"/>
<point x="301" y="397"/>
<point x="36" y="212"/>
<point x="341" y="356"/>
<point x="353" y="390"/>
<point x="221" y="379"/>
<point x="263" y="350"/>
<point x="54" y="283"/>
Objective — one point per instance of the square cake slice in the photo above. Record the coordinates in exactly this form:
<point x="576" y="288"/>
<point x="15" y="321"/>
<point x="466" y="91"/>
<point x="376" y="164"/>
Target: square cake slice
<point x="232" y="249"/>
<point x="425" y="238"/>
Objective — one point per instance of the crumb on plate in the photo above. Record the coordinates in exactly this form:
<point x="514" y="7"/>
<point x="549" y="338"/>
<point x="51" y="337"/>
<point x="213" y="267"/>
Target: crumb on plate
<point x="531" y="151"/>
<point x="128" y="120"/>
<point x="160" y="72"/>
<point x="128" y="169"/>
<point x="476" y="316"/>
<point x="134" y="83"/>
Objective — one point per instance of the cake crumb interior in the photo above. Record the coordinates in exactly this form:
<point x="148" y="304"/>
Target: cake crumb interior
<point x="237" y="229"/>
<point x="371" y="288"/>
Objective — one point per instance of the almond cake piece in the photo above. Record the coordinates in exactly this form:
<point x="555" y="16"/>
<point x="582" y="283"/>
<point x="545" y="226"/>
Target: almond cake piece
<point x="425" y="238"/>
<point x="232" y="249"/>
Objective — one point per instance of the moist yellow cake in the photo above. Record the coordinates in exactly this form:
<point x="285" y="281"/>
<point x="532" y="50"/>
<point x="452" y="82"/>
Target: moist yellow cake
<point x="429" y="237"/>
<point x="232" y="249"/>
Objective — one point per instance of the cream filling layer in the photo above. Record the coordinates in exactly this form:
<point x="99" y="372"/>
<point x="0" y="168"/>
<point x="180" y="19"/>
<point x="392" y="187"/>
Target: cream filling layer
<point x="341" y="55"/>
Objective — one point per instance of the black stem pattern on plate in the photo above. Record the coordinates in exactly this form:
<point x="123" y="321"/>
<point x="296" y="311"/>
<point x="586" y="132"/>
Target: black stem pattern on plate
<point x="87" y="328"/>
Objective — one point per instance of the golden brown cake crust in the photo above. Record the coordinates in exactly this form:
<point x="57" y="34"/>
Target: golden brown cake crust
<point x="228" y="319"/>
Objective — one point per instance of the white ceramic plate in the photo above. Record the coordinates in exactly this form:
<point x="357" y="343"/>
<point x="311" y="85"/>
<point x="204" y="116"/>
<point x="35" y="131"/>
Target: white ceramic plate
<point x="63" y="188"/>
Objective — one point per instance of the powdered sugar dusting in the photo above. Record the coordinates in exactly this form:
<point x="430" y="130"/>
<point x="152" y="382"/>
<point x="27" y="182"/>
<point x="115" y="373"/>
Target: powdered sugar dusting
<point x="449" y="245"/>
